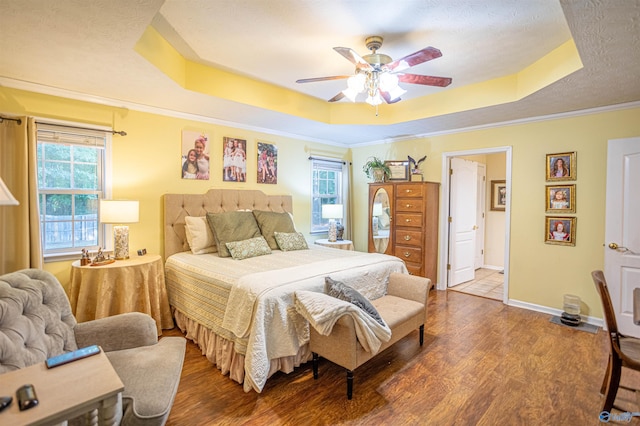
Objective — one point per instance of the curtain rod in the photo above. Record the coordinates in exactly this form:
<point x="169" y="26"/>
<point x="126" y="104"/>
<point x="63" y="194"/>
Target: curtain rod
<point x="330" y="160"/>
<point x="17" y="120"/>
<point x="114" y="132"/>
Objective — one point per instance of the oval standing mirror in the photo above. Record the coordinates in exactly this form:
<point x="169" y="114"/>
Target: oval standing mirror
<point x="380" y="220"/>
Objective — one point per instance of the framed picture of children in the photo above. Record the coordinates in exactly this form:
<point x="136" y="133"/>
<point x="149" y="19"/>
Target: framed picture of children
<point x="498" y="195"/>
<point x="234" y="159"/>
<point x="561" y="166"/>
<point x="560" y="198"/>
<point x="267" y="163"/>
<point x="560" y="230"/>
<point x="195" y="155"/>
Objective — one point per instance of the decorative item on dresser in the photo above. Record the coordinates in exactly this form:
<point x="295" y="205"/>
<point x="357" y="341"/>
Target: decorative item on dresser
<point x="409" y="224"/>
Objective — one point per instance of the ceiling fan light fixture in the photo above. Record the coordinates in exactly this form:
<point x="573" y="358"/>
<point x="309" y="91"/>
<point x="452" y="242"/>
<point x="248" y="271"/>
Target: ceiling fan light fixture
<point x="396" y="92"/>
<point x="374" y="100"/>
<point x="388" y="81"/>
<point x="357" y="82"/>
<point x="350" y="94"/>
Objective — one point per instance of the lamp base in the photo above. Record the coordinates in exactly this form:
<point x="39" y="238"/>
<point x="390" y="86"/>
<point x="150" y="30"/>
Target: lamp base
<point x="332" y="231"/>
<point x="121" y="242"/>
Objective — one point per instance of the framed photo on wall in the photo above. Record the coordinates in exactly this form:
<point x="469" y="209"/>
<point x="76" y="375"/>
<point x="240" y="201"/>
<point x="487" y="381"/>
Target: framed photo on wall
<point x="561" y="166"/>
<point x="267" y="163"/>
<point x="560" y="199"/>
<point x="234" y="159"/>
<point x="560" y="230"/>
<point x="498" y="195"/>
<point x="399" y="170"/>
<point x="195" y="155"/>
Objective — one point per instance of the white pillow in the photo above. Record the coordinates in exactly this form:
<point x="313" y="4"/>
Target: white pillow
<point x="199" y="235"/>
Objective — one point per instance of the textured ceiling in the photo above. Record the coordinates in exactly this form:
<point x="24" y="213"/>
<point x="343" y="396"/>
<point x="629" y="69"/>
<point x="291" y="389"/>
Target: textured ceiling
<point x="85" y="49"/>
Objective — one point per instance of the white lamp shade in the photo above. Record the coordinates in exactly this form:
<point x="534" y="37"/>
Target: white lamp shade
<point x="119" y="211"/>
<point x="6" y="197"/>
<point x="332" y="211"/>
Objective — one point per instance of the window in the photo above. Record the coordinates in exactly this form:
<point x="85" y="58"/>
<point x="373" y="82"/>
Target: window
<point x="326" y="189"/>
<point x="71" y="180"/>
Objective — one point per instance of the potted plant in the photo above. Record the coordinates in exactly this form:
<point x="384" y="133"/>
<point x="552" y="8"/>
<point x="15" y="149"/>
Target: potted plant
<point x="375" y="169"/>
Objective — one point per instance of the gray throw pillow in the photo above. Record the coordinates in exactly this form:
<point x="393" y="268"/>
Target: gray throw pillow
<point x="232" y="226"/>
<point x="271" y="222"/>
<point x="342" y="291"/>
<point x="289" y="241"/>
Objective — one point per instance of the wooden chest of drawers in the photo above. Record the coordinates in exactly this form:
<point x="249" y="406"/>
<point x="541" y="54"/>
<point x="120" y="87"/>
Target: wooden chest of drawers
<point x="413" y="233"/>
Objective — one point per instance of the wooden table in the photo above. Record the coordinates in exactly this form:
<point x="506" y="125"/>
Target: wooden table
<point x="341" y="244"/>
<point x="65" y="392"/>
<point x="132" y="285"/>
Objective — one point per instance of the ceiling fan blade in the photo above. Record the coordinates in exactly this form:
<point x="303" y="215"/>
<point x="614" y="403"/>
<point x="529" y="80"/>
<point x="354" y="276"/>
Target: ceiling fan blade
<point x="424" y="55"/>
<point x="353" y="57"/>
<point x="337" y="97"/>
<point x="311" y="80"/>
<point x="387" y="97"/>
<point x="427" y="80"/>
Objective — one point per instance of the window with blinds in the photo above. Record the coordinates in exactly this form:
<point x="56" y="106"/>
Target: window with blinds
<point x="326" y="189"/>
<point x="71" y="180"/>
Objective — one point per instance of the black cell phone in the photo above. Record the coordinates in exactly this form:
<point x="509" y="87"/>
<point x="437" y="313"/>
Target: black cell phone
<point x="72" y="356"/>
<point x="26" y="397"/>
<point x="5" y="401"/>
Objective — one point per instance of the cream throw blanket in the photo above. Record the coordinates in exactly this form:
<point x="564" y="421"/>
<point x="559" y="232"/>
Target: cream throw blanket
<point x="323" y="311"/>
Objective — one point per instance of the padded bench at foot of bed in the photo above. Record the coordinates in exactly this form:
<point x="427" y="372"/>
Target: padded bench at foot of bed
<point x="403" y="308"/>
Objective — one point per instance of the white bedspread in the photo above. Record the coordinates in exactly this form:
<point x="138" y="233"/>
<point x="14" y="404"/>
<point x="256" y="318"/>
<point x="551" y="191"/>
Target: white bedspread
<point x="323" y="311"/>
<point x="259" y="313"/>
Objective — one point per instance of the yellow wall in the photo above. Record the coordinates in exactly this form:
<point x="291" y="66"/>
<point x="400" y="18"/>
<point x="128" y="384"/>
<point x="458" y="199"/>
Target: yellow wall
<point x="147" y="162"/>
<point x="146" y="165"/>
<point x="539" y="273"/>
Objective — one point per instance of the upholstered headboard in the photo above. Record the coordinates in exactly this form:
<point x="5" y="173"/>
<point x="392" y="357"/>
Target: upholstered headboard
<point x="177" y="206"/>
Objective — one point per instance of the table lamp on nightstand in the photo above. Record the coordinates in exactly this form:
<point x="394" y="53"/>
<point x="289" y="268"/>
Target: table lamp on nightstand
<point x="333" y="212"/>
<point x="118" y="212"/>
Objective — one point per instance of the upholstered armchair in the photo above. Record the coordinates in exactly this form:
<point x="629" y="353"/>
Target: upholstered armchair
<point x="36" y="323"/>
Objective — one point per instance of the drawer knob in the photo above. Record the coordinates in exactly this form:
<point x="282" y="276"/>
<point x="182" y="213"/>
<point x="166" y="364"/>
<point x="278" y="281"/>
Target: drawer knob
<point x="407" y="254"/>
<point x="409" y="206"/>
<point x="407" y="237"/>
<point x="407" y="220"/>
<point x="408" y="191"/>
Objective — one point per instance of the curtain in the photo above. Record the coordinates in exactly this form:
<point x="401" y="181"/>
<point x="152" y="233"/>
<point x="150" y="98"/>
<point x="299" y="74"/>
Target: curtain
<point x="20" y="244"/>
<point x="346" y="196"/>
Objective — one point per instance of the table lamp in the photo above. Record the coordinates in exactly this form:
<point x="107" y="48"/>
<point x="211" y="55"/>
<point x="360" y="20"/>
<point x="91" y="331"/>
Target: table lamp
<point x="119" y="212"/>
<point x="6" y="197"/>
<point x="332" y="212"/>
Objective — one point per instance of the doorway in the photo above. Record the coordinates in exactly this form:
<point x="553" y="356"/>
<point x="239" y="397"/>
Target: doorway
<point x="446" y="229"/>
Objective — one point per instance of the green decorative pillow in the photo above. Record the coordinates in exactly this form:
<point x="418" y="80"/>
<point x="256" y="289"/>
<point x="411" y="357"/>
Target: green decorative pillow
<point x="248" y="248"/>
<point x="342" y="291"/>
<point x="232" y="226"/>
<point x="289" y="241"/>
<point x="270" y="222"/>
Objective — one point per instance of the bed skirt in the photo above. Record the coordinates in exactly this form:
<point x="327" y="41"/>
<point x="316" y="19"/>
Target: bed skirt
<point x="221" y="353"/>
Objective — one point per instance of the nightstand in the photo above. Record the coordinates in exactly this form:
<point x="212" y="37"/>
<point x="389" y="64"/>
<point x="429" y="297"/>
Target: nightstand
<point x="132" y="285"/>
<point x="342" y="245"/>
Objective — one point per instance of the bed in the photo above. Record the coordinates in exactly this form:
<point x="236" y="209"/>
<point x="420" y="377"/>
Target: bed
<point x="241" y="312"/>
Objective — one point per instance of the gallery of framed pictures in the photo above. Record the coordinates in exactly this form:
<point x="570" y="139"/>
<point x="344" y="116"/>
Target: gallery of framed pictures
<point x="234" y="159"/>
<point x="195" y="155"/>
<point x="562" y="166"/>
<point x="267" y="163"/>
<point x="560" y="230"/>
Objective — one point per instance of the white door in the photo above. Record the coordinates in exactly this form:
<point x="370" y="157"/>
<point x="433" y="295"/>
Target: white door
<point x="462" y="233"/>
<point x="480" y="215"/>
<point x="622" y="229"/>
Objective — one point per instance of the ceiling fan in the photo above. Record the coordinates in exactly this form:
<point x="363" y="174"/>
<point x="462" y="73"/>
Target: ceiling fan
<point x="378" y="75"/>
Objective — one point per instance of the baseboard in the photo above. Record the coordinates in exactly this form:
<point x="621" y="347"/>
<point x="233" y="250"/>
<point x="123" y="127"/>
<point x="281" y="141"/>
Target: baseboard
<point x="552" y="311"/>
<point x="495" y="268"/>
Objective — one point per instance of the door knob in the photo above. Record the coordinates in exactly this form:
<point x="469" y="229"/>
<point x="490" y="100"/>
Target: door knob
<point x="616" y="247"/>
<point x="613" y="246"/>
<point x="475" y="227"/>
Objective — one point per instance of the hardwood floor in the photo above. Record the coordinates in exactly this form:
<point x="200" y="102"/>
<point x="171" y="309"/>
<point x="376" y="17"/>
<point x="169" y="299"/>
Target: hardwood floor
<point x="482" y="363"/>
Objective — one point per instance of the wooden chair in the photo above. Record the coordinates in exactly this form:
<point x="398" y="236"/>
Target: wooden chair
<point x="624" y="351"/>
